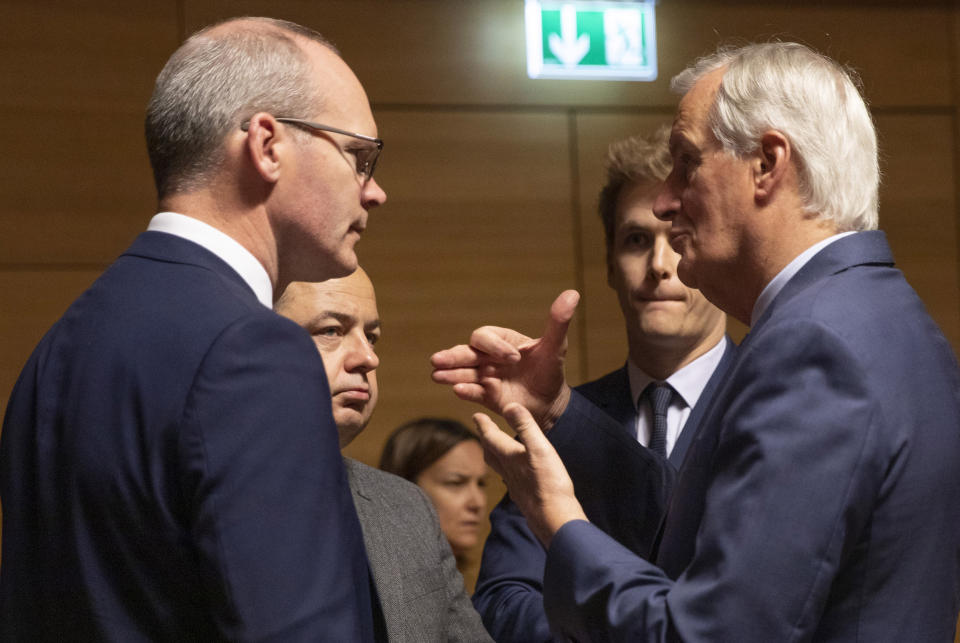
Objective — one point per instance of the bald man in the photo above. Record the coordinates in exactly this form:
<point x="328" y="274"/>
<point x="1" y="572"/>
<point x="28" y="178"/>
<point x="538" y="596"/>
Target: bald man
<point x="168" y="456"/>
<point x="415" y="573"/>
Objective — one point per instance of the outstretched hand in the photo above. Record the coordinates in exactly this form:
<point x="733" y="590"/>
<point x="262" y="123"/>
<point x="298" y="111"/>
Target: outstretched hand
<point x="501" y="366"/>
<point x="535" y="476"/>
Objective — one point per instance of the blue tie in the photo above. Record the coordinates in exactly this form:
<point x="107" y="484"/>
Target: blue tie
<point x="659" y="395"/>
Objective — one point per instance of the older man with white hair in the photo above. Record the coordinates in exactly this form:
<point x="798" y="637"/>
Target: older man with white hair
<point x="820" y="498"/>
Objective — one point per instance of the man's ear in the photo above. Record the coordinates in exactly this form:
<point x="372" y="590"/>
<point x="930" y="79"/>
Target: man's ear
<point x="772" y="164"/>
<point x="263" y="142"/>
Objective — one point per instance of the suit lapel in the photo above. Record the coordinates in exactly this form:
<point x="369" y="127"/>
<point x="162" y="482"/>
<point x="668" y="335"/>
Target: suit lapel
<point x="621" y="406"/>
<point x="697" y="413"/>
<point x="611" y="393"/>
<point x="378" y="546"/>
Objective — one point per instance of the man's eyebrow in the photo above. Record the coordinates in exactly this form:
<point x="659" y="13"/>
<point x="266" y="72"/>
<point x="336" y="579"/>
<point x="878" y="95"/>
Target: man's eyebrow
<point x="324" y="315"/>
<point x="629" y="226"/>
<point x="345" y="319"/>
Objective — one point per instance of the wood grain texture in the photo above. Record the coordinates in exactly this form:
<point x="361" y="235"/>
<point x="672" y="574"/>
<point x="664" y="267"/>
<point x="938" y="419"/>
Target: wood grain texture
<point x="33" y="300"/>
<point x="491" y="177"/>
<point x="444" y="52"/>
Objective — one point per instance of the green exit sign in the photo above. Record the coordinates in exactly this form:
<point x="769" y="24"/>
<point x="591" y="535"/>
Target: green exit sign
<point x="591" y="40"/>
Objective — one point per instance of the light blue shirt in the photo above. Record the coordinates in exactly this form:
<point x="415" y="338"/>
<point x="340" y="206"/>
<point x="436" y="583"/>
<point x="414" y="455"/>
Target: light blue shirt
<point x="776" y="284"/>
<point x="220" y="244"/>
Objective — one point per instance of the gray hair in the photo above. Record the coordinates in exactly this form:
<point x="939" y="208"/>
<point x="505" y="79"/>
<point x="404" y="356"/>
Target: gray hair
<point x="816" y="104"/>
<point x="212" y="83"/>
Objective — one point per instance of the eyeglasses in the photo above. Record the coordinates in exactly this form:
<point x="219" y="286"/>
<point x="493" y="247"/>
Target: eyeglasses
<point x="366" y="156"/>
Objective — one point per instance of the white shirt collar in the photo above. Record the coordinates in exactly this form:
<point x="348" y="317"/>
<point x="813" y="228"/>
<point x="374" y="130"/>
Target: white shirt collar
<point x="220" y="244"/>
<point x="776" y="284"/>
<point x="688" y="382"/>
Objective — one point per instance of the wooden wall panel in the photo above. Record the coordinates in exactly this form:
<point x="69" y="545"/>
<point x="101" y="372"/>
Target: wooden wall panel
<point x="492" y="177"/>
<point x="33" y="300"/>
<point x="78" y="189"/>
<point x="455" y="248"/>
<point x="918" y="210"/>
<point x="477" y="229"/>
<point x="74" y="81"/>
<point x="472" y="53"/>
<point x="876" y="40"/>
<point x="79" y="55"/>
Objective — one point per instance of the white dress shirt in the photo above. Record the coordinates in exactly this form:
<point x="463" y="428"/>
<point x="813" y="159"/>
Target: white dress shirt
<point x="688" y="384"/>
<point x="220" y="244"/>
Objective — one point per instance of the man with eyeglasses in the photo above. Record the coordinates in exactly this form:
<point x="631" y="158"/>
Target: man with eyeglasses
<point x="168" y="456"/>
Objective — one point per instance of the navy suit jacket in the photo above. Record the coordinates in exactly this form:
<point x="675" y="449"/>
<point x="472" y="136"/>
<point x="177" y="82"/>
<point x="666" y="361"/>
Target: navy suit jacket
<point x="596" y="438"/>
<point x="820" y="499"/>
<point x="170" y="470"/>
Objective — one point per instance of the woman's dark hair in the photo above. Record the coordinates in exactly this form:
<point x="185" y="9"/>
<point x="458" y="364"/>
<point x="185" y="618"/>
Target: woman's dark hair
<point x="417" y="444"/>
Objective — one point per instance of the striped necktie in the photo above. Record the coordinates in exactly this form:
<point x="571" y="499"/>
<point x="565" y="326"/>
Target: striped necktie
<point x="659" y="395"/>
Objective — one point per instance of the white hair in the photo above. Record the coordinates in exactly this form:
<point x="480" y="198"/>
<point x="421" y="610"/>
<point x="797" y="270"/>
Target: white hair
<point x="817" y="105"/>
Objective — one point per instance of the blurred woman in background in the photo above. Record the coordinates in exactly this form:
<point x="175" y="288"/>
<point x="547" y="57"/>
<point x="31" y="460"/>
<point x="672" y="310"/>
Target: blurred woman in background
<point x="445" y="459"/>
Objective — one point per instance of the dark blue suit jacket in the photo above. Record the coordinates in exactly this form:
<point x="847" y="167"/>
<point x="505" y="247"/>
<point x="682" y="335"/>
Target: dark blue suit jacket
<point x="820" y="499"/>
<point x="170" y="470"/>
<point x="596" y="438"/>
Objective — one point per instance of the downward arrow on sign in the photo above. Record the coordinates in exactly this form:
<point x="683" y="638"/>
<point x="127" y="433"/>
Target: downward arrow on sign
<point x="569" y="49"/>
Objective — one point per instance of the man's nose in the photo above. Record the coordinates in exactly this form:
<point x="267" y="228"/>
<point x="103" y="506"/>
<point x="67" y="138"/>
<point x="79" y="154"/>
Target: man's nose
<point x="666" y="204"/>
<point x="362" y="356"/>
<point x="372" y="194"/>
<point x="663" y="259"/>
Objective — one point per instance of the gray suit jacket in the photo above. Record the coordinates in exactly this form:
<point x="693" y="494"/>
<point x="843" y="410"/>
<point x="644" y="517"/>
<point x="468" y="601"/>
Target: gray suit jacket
<point x="420" y="590"/>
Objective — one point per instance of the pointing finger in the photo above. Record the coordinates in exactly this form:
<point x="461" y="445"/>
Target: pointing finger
<point x="499" y="344"/>
<point x="460" y="356"/>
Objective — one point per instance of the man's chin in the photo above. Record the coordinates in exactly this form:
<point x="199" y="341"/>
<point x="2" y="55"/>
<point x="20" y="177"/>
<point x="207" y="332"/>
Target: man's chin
<point x="659" y="332"/>
<point x="342" y="265"/>
<point x="332" y="267"/>
<point x="662" y="330"/>
<point x="348" y="433"/>
<point x="350" y="424"/>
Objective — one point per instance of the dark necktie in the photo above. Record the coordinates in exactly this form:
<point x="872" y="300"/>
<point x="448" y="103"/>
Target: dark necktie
<point x="659" y="395"/>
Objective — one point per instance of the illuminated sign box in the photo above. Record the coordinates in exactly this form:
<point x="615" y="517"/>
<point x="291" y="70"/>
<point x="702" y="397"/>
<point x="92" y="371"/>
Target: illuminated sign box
<point x="591" y="40"/>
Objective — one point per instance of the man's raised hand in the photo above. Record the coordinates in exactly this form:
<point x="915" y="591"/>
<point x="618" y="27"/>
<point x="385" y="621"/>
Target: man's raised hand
<point x="501" y="366"/>
<point x="532" y="470"/>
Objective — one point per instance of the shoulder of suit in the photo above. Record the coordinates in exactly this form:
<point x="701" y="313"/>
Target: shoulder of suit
<point x="604" y="380"/>
<point x="370" y="481"/>
<point x="600" y="389"/>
